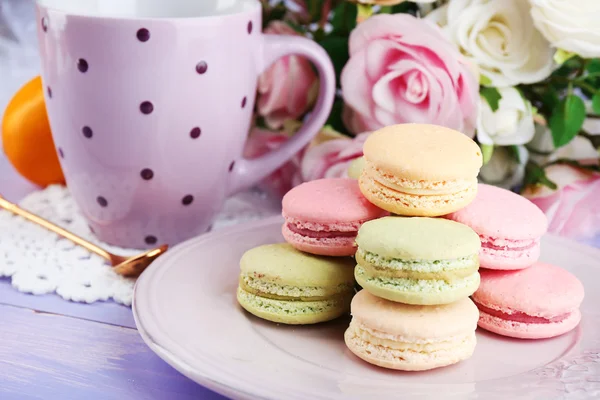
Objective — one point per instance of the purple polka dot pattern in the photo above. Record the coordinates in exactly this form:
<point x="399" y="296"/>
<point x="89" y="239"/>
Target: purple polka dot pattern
<point x="187" y="200"/>
<point x="87" y="132"/>
<point x="61" y="153"/>
<point x="151" y="240"/>
<point x="82" y="65"/>
<point x="231" y="166"/>
<point x="201" y="67"/>
<point x="44" y="24"/>
<point x="49" y="90"/>
<point x="146" y="107"/>
<point x="147" y="174"/>
<point x="250" y="26"/>
<point x="195" y="133"/>
<point x="143" y="35"/>
<point x="91" y="229"/>
<point x="102" y="202"/>
<point x="244" y="101"/>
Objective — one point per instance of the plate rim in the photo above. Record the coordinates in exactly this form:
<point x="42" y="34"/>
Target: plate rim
<point x="218" y="385"/>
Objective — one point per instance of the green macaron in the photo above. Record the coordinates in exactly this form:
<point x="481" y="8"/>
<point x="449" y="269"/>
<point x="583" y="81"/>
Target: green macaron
<point x="281" y="284"/>
<point x="421" y="261"/>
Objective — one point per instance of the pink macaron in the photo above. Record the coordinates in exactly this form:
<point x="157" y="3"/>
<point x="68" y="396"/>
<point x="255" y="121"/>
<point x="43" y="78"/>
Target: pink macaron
<point x="541" y="301"/>
<point x="323" y="216"/>
<point x="509" y="226"/>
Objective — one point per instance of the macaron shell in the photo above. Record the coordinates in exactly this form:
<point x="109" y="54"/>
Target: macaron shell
<point x="293" y="312"/>
<point x="332" y="200"/>
<point x="283" y="264"/>
<point x="522" y="330"/>
<point x="336" y="246"/>
<point x="418" y="291"/>
<point x="542" y="290"/>
<point x="500" y="213"/>
<point x="409" y="360"/>
<point x="418" y="238"/>
<point x="423" y="151"/>
<point x="508" y="259"/>
<point x="416" y="322"/>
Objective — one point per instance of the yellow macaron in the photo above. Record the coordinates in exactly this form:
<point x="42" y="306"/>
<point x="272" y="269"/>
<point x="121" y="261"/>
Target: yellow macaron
<point x="420" y="170"/>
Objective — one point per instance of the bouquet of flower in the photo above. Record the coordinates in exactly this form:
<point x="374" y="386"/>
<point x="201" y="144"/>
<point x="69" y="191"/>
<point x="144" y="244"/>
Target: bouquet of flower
<point x="521" y="77"/>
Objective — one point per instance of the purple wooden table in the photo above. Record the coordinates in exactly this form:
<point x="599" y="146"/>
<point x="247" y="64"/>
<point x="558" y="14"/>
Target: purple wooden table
<point x="54" y="349"/>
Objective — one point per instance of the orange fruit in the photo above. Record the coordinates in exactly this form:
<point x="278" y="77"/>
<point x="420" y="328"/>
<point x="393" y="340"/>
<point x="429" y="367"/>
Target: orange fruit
<point x="27" y="139"/>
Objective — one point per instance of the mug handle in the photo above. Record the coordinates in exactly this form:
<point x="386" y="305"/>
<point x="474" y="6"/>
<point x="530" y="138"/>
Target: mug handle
<point x="246" y="173"/>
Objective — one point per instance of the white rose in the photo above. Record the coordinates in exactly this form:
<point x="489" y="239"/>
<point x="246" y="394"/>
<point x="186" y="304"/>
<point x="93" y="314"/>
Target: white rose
<point x="506" y="168"/>
<point x="543" y="150"/>
<point x="573" y="26"/>
<point x="512" y="123"/>
<point x="499" y="36"/>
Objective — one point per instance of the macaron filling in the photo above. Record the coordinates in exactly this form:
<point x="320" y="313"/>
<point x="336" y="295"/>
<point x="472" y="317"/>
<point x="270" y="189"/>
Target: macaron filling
<point x="521" y="317"/>
<point x="508" y="244"/>
<point x="418" y="187"/>
<point x="416" y="284"/>
<point x="320" y="234"/>
<point x="292" y="307"/>
<point x="447" y="270"/>
<point x="273" y="290"/>
<point x="383" y="193"/>
<point x="376" y="347"/>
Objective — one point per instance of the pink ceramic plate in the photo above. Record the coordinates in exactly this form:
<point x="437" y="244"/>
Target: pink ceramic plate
<point x="186" y="311"/>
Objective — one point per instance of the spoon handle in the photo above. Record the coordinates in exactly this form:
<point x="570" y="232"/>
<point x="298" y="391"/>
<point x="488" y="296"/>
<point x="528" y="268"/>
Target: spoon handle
<point x="7" y="205"/>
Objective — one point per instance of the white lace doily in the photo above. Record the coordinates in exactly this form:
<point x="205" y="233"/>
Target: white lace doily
<point x="40" y="262"/>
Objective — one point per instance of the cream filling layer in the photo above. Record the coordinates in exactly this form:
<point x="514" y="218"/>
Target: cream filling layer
<point x="418" y="187"/>
<point x="397" y="348"/>
<point x="265" y="288"/>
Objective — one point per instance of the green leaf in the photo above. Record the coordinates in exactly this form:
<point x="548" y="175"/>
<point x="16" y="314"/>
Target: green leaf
<point x="335" y="118"/>
<point x="344" y="18"/>
<point x="596" y="103"/>
<point x="593" y="66"/>
<point x="567" y="119"/>
<point x="514" y="151"/>
<point x="550" y="101"/>
<point x="535" y="175"/>
<point x="492" y="96"/>
<point x="487" y="150"/>
<point x="484" y="80"/>
<point x="337" y="49"/>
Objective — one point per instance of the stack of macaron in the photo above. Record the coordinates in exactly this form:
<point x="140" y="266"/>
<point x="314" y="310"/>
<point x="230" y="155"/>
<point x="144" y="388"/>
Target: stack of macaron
<point x="519" y="296"/>
<point x="417" y="271"/>
<point x="310" y="279"/>
<point x="412" y="227"/>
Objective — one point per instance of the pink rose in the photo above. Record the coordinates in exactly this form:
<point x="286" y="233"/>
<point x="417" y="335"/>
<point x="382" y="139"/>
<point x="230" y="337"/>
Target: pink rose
<point x="262" y="141"/>
<point x="573" y="210"/>
<point x="286" y="89"/>
<point x="403" y="70"/>
<point x="332" y="158"/>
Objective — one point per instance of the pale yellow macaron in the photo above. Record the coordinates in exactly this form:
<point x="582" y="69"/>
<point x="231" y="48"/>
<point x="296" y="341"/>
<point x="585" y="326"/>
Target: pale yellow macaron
<point x="411" y="338"/>
<point x="281" y="284"/>
<point x="420" y="170"/>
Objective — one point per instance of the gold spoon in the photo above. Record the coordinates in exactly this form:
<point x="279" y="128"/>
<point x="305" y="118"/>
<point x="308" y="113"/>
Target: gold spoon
<point x="126" y="266"/>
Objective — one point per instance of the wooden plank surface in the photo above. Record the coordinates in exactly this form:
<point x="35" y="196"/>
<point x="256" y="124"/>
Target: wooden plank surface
<point x="105" y="312"/>
<point x="47" y="356"/>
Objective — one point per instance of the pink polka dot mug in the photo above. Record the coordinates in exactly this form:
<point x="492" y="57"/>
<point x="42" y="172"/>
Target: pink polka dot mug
<point x="150" y="103"/>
